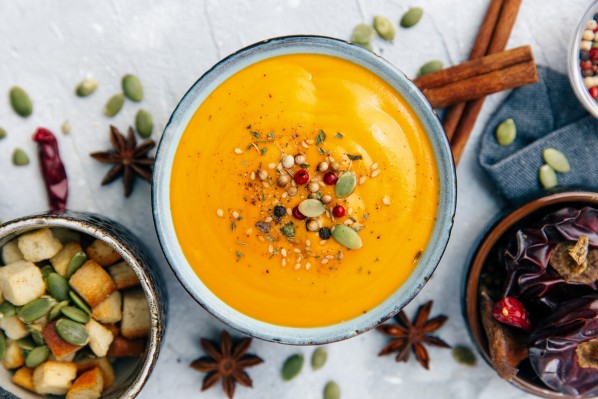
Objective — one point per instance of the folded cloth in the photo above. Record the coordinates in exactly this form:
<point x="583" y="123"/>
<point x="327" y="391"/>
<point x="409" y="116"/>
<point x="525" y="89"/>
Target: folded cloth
<point x="547" y="115"/>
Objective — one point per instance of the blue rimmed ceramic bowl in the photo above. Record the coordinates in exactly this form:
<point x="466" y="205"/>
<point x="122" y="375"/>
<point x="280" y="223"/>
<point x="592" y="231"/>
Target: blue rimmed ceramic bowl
<point x="168" y="147"/>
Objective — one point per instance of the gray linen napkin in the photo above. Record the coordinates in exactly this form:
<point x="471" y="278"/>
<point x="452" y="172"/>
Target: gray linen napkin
<point x="547" y="114"/>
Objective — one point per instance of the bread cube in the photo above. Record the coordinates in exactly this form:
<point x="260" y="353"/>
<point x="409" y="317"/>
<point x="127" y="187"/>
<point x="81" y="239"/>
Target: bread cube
<point x="65" y="235"/>
<point x="89" y="385"/>
<point x="13" y="357"/>
<point x="92" y="283"/>
<point x="13" y="327"/>
<point x="11" y="252"/>
<point x="21" y="282"/>
<point x="122" y="347"/>
<point x="100" y="338"/>
<point x="103" y="364"/>
<point x="61" y="349"/>
<point x="102" y="253"/>
<point x="61" y="260"/>
<point x="110" y="310"/>
<point x="123" y="275"/>
<point x="54" y="378"/>
<point x="39" y="245"/>
<point x="136" y="316"/>
<point x="23" y="377"/>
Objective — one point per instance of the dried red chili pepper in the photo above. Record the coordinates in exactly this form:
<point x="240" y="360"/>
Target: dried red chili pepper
<point x="52" y="169"/>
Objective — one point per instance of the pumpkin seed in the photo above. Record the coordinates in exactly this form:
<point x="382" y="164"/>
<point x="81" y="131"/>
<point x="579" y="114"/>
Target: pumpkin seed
<point x="75" y="314"/>
<point x="556" y="160"/>
<point x="75" y="263"/>
<point x="46" y="271"/>
<point x="345" y="185"/>
<point x="114" y="105"/>
<point x="312" y="207"/>
<point x="35" y="309"/>
<point x="384" y="27"/>
<point x="548" y="177"/>
<point x="144" y="123"/>
<point x="20" y="101"/>
<point x="430" y="67"/>
<point x="2" y="345"/>
<point x="292" y="366"/>
<point x="318" y="358"/>
<point x="463" y="355"/>
<point x="80" y="303"/>
<point x="26" y="344"/>
<point x="506" y="132"/>
<point x="36" y="334"/>
<point x="19" y="157"/>
<point x="363" y="34"/>
<point x="132" y="87"/>
<point x="37" y="356"/>
<point x="412" y="17"/>
<point x="56" y="310"/>
<point x="332" y="391"/>
<point x="7" y="309"/>
<point x="58" y="287"/>
<point x="346" y="236"/>
<point x="86" y="87"/>
<point x="66" y="127"/>
<point x="72" y="332"/>
<point x="2" y="133"/>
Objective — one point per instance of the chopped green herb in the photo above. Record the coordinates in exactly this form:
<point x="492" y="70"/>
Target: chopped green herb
<point x="357" y="228"/>
<point x="321" y="151"/>
<point x="255" y="134"/>
<point x="239" y="254"/>
<point x="288" y="229"/>
<point x="249" y="146"/>
<point x="271" y="135"/>
<point x="233" y="226"/>
<point x="354" y="157"/>
<point x="353" y="219"/>
<point x="366" y="215"/>
<point x="270" y="238"/>
<point x="320" y="137"/>
<point x="339" y="135"/>
<point x="263" y="151"/>
<point x="304" y="165"/>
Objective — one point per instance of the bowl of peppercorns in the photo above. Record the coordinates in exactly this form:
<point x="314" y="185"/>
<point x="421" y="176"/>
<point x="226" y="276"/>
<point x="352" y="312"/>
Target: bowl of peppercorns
<point x="583" y="60"/>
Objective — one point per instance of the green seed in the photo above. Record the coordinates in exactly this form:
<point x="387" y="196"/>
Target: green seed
<point x="412" y="17"/>
<point x="46" y="271"/>
<point x="20" y="101"/>
<point x="7" y="309"/>
<point x="80" y="303"/>
<point x="56" y="310"/>
<point x="26" y="344"/>
<point x="430" y="67"/>
<point x="2" y="345"/>
<point x="292" y="366"/>
<point x="345" y="185"/>
<point x="548" y="177"/>
<point x="86" y="87"/>
<point x="556" y="160"/>
<point x="132" y="87"/>
<point x="312" y="207"/>
<point x="318" y="358"/>
<point x="2" y="133"/>
<point x="19" y="157"/>
<point x="332" y="391"/>
<point x="35" y="309"/>
<point x="58" y="287"/>
<point x="384" y="27"/>
<point x="114" y="105"/>
<point x="506" y="132"/>
<point x="72" y="332"/>
<point x="37" y="356"/>
<point x="36" y="334"/>
<point x="363" y="34"/>
<point x="144" y="123"/>
<point x="66" y="127"/>
<point x="75" y="263"/>
<point x="346" y="236"/>
<point x="463" y="355"/>
<point x="75" y="314"/>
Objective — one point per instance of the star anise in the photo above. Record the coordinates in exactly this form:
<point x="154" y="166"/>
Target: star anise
<point x="409" y="336"/>
<point x="129" y="159"/>
<point x="226" y="363"/>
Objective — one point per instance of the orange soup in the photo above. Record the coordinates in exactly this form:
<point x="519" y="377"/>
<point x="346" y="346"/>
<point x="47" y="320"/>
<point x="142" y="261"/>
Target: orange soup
<point x="264" y="171"/>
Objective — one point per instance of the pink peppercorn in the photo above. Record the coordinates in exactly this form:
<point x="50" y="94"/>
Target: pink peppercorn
<point x="338" y="211"/>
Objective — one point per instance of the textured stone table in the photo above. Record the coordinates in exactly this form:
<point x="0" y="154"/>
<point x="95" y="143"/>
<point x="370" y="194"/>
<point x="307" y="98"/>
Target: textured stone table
<point x="49" y="46"/>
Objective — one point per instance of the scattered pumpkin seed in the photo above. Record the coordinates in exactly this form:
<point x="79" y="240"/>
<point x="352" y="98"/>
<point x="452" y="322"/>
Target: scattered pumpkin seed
<point x="463" y="355"/>
<point x="35" y="309"/>
<point x="80" y="303"/>
<point x="58" y="287"/>
<point x="26" y="343"/>
<point x="86" y="87"/>
<point x="548" y="177"/>
<point x="2" y="133"/>
<point x="75" y="263"/>
<point x="332" y="391"/>
<point x="430" y="67"/>
<point x="2" y="345"/>
<point x="72" y="332"/>
<point x="144" y="123"/>
<point x="318" y="358"/>
<point x="412" y="17"/>
<point x="46" y="270"/>
<point x="56" y="310"/>
<point x="20" y="101"/>
<point x="132" y="87"/>
<point x="384" y="27"/>
<point x="7" y="309"/>
<point x="19" y="157"/>
<point x="346" y="236"/>
<point x="292" y="366"/>
<point x="345" y="185"/>
<point x="37" y="356"/>
<point x="363" y="34"/>
<point x="75" y="314"/>
<point x="36" y="334"/>
<point x="114" y="105"/>
<point x="312" y="208"/>
<point x="506" y="132"/>
<point x="556" y="160"/>
<point x="66" y="127"/>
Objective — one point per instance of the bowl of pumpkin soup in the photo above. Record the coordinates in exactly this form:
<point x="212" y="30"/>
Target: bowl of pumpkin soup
<point x="304" y="190"/>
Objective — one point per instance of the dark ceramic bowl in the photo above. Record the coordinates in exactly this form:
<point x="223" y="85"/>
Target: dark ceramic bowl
<point x="131" y="374"/>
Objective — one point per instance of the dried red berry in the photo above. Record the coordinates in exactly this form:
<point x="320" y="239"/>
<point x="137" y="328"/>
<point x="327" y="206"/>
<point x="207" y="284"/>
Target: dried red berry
<point x="330" y="178"/>
<point x="301" y="176"/>
<point x="298" y="215"/>
<point x="594" y="54"/>
<point x="586" y="64"/>
<point x="511" y="311"/>
<point x="338" y="211"/>
<point x="594" y="92"/>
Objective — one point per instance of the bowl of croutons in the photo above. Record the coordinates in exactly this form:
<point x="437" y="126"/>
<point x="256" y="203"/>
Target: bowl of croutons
<point x="82" y="309"/>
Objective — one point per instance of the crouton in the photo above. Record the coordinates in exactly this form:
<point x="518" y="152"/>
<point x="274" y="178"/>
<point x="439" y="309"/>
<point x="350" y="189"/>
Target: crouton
<point x="61" y="260"/>
<point x="54" y="378"/>
<point x="110" y="310"/>
<point x="61" y="349"/>
<point x="136" y="316"/>
<point x="122" y="347"/>
<point x="89" y="385"/>
<point x="123" y="275"/>
<point x="11" y="252"/>
<point x="21" y="282"/>
<point x="92" y="283"/>
<point x="13" y="357"/>
<point x="100" y="338"/>
<point x="65" y="235"/>
<point x="23" y="377"/>
<point x="103" y="364"/>
<point x="13" y="327"/>
<point x="38" y="245"/>
<point x="102" y="253"/>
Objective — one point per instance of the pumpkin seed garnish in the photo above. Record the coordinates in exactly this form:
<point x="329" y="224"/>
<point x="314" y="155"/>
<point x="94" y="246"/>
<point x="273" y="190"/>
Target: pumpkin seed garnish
<point x="35" y="309"/>
<point x="56" y="310"/>
<point x="58" y="287"/>
<point x="506" y="132"/>
<point x="292" y="366"/>
<point x="86" y="87"/>
<point x="144" y="123"/>
<point x="384" y="27"/>
<point x="20" y="157"/>
<point x="556" y="160"/>
<point x="548" y="177"/>
<point x="318" y="358"/>
<point x="75" y="314"/>
<point x="346" y="236"/>
<point x="7" y="309"/>
<point x="332" y="391"/>
<point x="75" y="263"/>
<point x="321" y="137"/>
<point x="72" y="332"/>
<point x="37" y="356"/>
<point x="20" y="101"/>
<point x="2" y="345"/>
<point x="412" y="17"/>
<point x="2" y="133"/>
<point x="46" y="270"/>
<point x="463" y="355"/>
<point x="80" y="303"/>
<point x="345" y="185"/>
<point x="288" y="229"/>
<point x="430" y="67"/>
<point x="132" y="87"/>
<point x="26" y="344"/>
<point x="114" y="105"/>
<point x="312" y="208"/>
<point x="36" y="334"/>
<point x="363" y="34"/>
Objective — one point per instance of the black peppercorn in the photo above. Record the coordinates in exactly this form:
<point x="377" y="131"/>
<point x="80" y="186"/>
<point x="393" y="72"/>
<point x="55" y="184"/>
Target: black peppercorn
<point x="279" y="212"/>
<point x="325" y="233"/>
